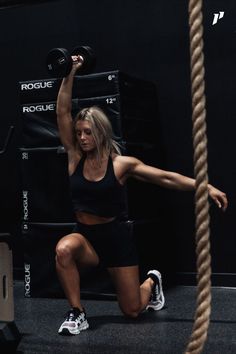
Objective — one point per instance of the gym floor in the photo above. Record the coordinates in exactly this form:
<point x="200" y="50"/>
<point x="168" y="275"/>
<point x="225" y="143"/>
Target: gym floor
<point x="163" y="332"/>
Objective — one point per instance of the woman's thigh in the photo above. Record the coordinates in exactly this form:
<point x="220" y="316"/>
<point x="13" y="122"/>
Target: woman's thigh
<point x="79" y="248"/>
<point x="127" y="283"/>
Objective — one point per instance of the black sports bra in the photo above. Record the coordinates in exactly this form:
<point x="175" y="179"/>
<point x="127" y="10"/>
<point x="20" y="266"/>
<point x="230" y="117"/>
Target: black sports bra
<point x="106" y="197"/>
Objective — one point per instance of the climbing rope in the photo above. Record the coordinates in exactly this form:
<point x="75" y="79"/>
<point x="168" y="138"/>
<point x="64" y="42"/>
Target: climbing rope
<point x="203" y="304"/>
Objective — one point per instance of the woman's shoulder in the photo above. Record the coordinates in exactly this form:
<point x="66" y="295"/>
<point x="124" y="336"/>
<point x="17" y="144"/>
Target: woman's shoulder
<point x="123" y="165"/>
<point x="124" y="161"/>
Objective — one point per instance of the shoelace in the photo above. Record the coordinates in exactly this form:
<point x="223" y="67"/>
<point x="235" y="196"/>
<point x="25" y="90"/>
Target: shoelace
<point x="71" y="315"/>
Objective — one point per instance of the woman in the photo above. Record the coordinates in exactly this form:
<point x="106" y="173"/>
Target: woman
<point x="98" y="174"/>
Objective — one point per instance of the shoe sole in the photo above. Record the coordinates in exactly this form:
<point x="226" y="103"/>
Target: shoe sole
<point x="66" y="332"/>
<point x="155" y="307"/>
<point x="69" y="332"/>
<point x="152" y="307"/>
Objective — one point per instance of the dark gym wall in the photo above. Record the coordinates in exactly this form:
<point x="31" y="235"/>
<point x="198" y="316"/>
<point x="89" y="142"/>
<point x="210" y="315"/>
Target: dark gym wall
<point x="147" y="40"/>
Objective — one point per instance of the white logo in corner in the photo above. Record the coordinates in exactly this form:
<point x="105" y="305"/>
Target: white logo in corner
<point x="217" y="17"/>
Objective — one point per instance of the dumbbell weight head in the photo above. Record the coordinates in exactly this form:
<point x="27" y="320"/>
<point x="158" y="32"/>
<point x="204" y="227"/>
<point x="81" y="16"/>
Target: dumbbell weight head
<point x="89" y="59"/>
<point x="59" y="62"/>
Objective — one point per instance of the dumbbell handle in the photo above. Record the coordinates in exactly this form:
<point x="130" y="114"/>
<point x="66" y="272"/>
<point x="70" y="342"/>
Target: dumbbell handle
<point x="76" y="56"/>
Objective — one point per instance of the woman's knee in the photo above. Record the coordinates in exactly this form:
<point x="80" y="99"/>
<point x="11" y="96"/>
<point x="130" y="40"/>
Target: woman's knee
<point x="131" y="311"/>
<point x="65" y="250"/>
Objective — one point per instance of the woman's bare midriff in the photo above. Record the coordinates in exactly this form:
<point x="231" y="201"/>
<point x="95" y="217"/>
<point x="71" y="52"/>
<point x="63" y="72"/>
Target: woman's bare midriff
<point x="91" y="219"/>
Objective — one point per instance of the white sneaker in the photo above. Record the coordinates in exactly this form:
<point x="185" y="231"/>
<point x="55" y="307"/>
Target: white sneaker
<point x="157" y="300"/>
<point x="75" y="322"/>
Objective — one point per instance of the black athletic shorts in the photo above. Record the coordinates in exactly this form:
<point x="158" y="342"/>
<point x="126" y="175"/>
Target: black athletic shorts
<point x="112" y="241"/>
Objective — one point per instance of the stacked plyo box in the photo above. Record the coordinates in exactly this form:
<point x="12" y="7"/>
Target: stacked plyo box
<point x="131" y="105"/>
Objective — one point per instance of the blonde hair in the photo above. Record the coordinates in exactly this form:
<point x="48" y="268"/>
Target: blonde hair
<point x="101" y="130"/>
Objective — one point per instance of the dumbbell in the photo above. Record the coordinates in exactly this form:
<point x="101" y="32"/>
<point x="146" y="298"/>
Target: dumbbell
<point x="59" y="61"/>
